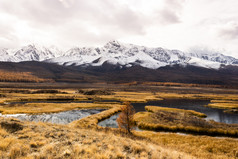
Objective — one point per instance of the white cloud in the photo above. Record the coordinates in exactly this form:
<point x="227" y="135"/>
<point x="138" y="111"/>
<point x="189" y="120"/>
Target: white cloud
<point x="178" y="24"/>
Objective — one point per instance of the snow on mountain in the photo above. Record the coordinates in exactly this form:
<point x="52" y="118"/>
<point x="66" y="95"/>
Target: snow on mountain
<point x="216" y="57"/>
<point x="117" y="53"/>
<point x="120" y="54"/>
<point x="33" y="53"/>
<point x="5" y="56"/>
<point x="204" y="63"/>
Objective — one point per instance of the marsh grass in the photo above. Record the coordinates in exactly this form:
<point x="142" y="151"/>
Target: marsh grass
<point x="38" y="108"/>
<point x="221" y="105"/>
<point x="132" y="96"/>
<point x="182" y="121"/>
<point x="190" y="112"/>
<point x="204" y="96"/>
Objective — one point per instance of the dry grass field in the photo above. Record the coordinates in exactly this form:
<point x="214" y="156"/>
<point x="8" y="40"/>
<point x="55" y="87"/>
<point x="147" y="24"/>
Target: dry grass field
<point x="20" y="77"/>
<point x="199" y="146"/>
<point x="190" y="112"/>
<point x="85" y="139"/>
<point x="42" y="140"/>
<point x="38" y="108"/>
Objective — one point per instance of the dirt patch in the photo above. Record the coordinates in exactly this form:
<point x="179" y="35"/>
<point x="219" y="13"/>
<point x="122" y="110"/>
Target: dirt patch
<point x="11" y="125"/>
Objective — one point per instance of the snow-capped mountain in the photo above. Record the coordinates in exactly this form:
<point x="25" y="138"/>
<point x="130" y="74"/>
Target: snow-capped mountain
<point x="127" y="55"/>
<point x="31" y="52"/>
<point x="117" y="53"/>
<point x="5" y="55"/>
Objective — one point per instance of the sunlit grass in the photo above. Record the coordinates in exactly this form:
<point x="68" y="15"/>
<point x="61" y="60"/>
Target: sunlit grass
<point x="157" y="108"/>
<point x="37" y="108"/>
<point x="42" y="140"/>
<point x="81" y="138"/>
<point x="132" y="96"/>
<point x="220" y="105"/>
<point x="198" y="146"/>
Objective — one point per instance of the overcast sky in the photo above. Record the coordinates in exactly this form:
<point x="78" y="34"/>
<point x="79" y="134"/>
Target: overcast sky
<point x="173" y="24"/>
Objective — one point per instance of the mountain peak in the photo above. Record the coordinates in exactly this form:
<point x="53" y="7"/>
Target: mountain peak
<point x="113" y="43"/>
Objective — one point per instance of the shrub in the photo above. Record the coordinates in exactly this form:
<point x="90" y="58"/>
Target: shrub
<point x="125" y="119"/>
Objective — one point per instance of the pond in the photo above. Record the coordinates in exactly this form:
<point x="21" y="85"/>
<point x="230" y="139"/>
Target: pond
<point x="188" y="104"/>
<point x="57" y="118"/>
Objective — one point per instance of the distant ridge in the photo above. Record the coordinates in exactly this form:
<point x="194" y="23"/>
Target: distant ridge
<point x="49" y="72"/>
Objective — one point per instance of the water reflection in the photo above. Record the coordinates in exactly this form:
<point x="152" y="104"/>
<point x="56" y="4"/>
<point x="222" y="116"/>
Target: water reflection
<point x="57" y="118"/>
<point x="110" y="122"/>
<point x="217" y="115"/>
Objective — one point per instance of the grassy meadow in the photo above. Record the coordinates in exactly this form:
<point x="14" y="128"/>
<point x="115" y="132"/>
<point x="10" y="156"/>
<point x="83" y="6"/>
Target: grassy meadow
<point x="86" y="139"/>
<point x="43" y="140"/>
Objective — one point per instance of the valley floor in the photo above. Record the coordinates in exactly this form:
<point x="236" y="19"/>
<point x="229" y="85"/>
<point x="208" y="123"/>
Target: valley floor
<point x="84" y="138"/>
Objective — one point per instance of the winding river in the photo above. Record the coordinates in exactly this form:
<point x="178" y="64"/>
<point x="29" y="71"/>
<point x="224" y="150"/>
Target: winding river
<point x="215" y="114"/>
<point x="66" y="117"/>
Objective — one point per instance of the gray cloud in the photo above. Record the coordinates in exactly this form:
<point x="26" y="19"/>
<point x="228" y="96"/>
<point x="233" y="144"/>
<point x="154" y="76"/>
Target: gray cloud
<point x="43" y="12"/>
<point x="56" y="12"/>
<point x="7" y="36"/>
<point x="167" y="16"/>
<point x="229" y="33"/>
<point x="6" y="31"/>
<point x="67" y="23"/>
<point x="171" y="12"/>
<point x="74" y="18"/>
<point x="175" y="4"/>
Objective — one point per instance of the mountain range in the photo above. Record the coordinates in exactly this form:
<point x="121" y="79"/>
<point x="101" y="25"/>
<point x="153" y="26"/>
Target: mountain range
<point x="117" y="53"/>
<point x="120" y="62"/>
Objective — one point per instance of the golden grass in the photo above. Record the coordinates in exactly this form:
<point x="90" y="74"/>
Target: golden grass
<point x="37" y="108"/>
<point x="223" y="101"/>
<point x="118" y="95"/>
<point x="207" y="96"/>
<point x="6" y="142"/>
<point x="157" y="108"/>
<point x="220" y="105"/>
<point x="182" y="121"/>
<point x="16" y="97"/>
<point x="12" y="76"/>
<point x="3" y="132"/>
<point x="42" y="140"/>
<point x="146" y="96"/>
<point x="198" y="146"/>
<point x="131" y="96"/>
<point x="61" y="141"/>
<point x="174" y="84"/>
